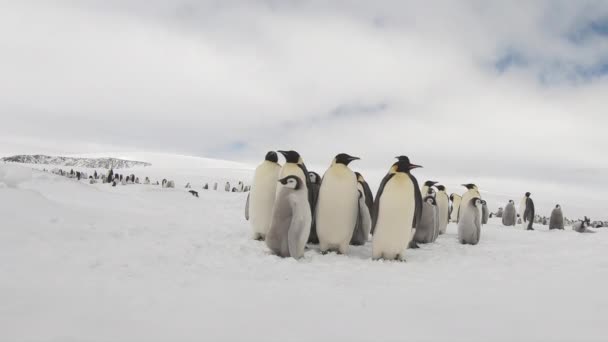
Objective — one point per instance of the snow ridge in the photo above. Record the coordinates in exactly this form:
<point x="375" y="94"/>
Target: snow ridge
<point x="106" y="163"/>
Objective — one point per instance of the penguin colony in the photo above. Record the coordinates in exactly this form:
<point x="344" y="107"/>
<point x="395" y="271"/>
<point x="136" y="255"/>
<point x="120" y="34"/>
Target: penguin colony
<point x="289" y="206"/>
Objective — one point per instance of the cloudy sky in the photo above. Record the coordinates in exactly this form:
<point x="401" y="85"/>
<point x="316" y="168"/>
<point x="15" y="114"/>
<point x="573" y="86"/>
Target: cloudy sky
<point x="479" y="88"/>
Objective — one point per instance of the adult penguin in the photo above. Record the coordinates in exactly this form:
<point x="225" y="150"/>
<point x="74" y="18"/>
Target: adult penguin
<point x="364" y="220"/>
<point x="396" y="211"/>
<point x="557" y="218"/>
<point x="110" y="176"/>
<point x="367" y="192"/>
<point x="443" y="208"/>
<point x="456" y="200"/>
<point x="485" y="213"/>
<point x="427" y="188"/>
<point x="509" y="215"/>
<point x="290" y="223"/>
<point x="337" y="206"/>
<point x="427" y="229"/>
<point x="472" y="192"/>
<point x="528" y="215"/>
<point x="469" y="225"/>
<point x="260" y="200"/>
<point x="294" y="165"/>
<point x="315" y="185"/>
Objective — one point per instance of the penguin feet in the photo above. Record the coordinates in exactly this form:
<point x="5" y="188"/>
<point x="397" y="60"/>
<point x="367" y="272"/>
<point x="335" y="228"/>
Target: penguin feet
<point x="413" y="245"/>
<point x="530" y="229"/>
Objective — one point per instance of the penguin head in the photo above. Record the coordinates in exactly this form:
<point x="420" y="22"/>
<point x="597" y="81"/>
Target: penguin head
<point x="484" y="202"/>
<point x="452" y="197"/>
<point x="291" y="156"/>
<point x="470" y="186"/>
<point x="314" y="177"/>
<point x="430" y="200"/>
<point x="528" y="194"/>
<point x="476" y="201"/>
<point x="440" y="187"/>
<point x="403" y="165"/>
<point x="558" y="206"/>
<point x="291" y="182"/>
<point x="511" y="202"/>
<point x="271" y="156"/>
<point x="359" y="177"/>
<point x="344" y="159"/>
<point x="430" y="183"/>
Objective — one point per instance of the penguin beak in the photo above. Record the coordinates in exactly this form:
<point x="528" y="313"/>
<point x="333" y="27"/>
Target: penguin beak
<point x="414" y="166"/>
<point x="351" y="158"/>
<point x="282" y="152"/>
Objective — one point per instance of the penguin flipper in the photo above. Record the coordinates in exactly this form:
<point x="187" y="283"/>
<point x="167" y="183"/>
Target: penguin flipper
<point x="376" y="206"/>
<point x="247" y="208"/>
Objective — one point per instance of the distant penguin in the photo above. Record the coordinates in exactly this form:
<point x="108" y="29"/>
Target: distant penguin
<point x="455" y="199"/>
<point x="147" y="180"/>
<point x="485" y="213"/>
<point x="364" y="220"/>
<point x="188" y="185"/>
<point x="315" y="185"/>
<point x="367" y="192"/>
<point x="500" y="212"/>
<point x="443" y="208"/>
<point x="170" y="184"/>
<point x="110" y="176"/>
<point x="427" y="229"/>
<point x="582" y="226"/>
<point x="215" y="186"/>
<point x="113" y="183"/>
<point x="123" y="181"/>
<point x="137" y="180"/>
<point x="291" y="218"/>
<point x="509" y="216"/>
<point x="557" y="218"/>
<point x="427" y="188"/>
<point x="396" y="212"/>
<point x="294" y="165"/>
<point x="337" y="206"/>
<point x="95" y="174"/>
<point x="469" y="224"/>
<point x="227" y="187"/>
<point x="528" y="215"/>
<point x="472" y="192"/>
<point x="262" y="196"/>
<point x="206" y="186"/>
<point x="164" y="183"/>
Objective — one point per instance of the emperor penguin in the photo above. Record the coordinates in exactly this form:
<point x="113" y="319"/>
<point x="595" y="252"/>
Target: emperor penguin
<point x="485" y="213"/>
<point x="337" y="206"/>
<point x="367" y="192"/>
<point x="509" y="215"/>
<point x="469" y="224"/>
<point x="364" y="220"/>
<point x="396" y="212"/>
<point x="443" y="208"/>
<point x="427" y="229"/>
<point x="557" y="218"/>
<point x="315" y="185"/>
<point x="427" y="188"/>
<point x="294" y="165"/>
<point x="260" y="200"/>
<point x="582" y="226"/>
<point x="528" y="214"/>
<point x="456" y="199"/>
<point x="472" y="192"/>
<point x="291" y="218"/>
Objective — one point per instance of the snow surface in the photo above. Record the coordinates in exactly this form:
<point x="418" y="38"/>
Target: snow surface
<point x="87" y="262"/>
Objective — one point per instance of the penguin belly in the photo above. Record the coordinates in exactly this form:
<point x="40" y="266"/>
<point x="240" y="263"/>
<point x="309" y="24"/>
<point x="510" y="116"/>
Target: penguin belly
<point x="395" y="217"/>
<point x="337" y="209"/>
<point x="443" y="211"/>
<point x="455" y="209"/>
<point x="263" y="193"/>
<point x="468" y="233"/>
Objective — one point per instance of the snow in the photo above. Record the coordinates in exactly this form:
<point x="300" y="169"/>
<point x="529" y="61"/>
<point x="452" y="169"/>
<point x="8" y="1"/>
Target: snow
<point x="87" y="262"/>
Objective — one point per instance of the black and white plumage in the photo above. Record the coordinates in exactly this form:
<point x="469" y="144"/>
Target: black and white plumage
<point x="469" y="223"/>
<point x="364" y="220"/>
<point x="427" y="229"/>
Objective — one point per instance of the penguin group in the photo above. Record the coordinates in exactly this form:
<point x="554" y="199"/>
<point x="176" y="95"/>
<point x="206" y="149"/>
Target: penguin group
<point x="290" y="206"/>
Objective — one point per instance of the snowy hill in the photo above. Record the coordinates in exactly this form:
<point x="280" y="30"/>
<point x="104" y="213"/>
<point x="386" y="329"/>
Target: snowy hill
<point x="97" y="263"/>
<point x="103" y="163"/>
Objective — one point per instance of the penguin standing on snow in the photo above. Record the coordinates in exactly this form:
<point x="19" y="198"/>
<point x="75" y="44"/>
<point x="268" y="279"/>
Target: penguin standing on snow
<point x="315" y="185"/>
<point x="364" y="220"/>
<point x="396" y="212"/>
<point x="367" y="192"/>
<point x="455" y="199"/>
<point x="290" y="223"/>
<point x="215" y="186"/>
<point x="443" y="208"/>
<point x="260" y="200"/>
<point x="509" y="215"/>
<point x="427" y="229"/>
<point x="485" y="213"/>
<point x="227" y="187"/>
<point x="528" y="215"/>
<point x="557" y="218"/>
<point x="472" y="192"/>
<point x="469" y="224"/>
<point x="427" y="188"/>
<point x="337" y="206"/>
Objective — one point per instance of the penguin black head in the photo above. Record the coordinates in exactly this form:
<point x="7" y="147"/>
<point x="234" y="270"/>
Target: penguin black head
<point x="440" y="187"/>
<point x="452" y="197"/>
<point x="359" y="177"/>
<point x="484" y="202"/>
<point x="291" y="156"/>
<point x="476" y="201"/>
<point x="430" y="183"/>
<point x="292" y="182"/>
<point x="344" y="159"/>
<point x="271" y="156"/>
<point x="403" y="164"/>
<point x="557" y="206"/>
<point x="528" y="194"/>
<point x="470" y="186"/>
<point x="314" y="177"/>
<point x="511" y="201"/>
<point x="430" y="200"/>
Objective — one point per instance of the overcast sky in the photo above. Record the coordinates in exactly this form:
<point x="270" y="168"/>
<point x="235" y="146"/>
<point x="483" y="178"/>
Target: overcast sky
<point x="486" y="88"/>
